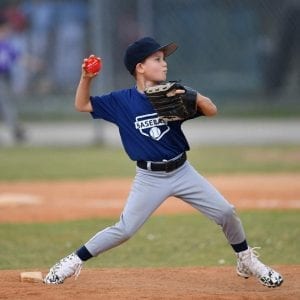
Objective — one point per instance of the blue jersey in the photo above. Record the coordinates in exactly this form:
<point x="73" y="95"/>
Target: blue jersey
<point x="144" y="136"/>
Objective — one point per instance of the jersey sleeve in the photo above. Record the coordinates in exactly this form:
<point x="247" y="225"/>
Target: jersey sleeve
<point x="104" y="107"/>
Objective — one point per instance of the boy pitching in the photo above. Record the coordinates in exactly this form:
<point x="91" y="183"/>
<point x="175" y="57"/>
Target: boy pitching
<point x="159" y="148"/>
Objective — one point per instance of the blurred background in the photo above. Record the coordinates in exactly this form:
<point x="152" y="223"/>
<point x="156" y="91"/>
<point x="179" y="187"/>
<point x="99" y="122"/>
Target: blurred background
<point x="244" y="54"/>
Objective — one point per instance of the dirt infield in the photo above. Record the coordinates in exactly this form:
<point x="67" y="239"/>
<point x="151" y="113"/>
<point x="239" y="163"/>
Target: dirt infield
<point x="167" y="283"/>
<point x="70" y="200"/>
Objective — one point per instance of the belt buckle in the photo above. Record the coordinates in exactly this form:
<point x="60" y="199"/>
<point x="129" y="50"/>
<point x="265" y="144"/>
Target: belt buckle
<point x="149" y="166"/>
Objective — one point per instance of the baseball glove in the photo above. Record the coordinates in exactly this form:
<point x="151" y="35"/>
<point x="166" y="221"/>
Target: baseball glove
<point x="169" y="105"/>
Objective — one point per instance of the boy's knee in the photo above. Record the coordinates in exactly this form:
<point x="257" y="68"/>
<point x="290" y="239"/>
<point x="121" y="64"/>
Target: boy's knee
<point x="228" y="213"/>
<point x="127" y="234"/>
<point x="124" y="231"/>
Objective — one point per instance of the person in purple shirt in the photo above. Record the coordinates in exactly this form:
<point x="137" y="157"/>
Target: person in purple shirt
<point x="8" y="56"/>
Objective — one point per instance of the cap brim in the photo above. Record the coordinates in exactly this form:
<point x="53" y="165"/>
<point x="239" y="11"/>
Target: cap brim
<point x="168" y="49"/>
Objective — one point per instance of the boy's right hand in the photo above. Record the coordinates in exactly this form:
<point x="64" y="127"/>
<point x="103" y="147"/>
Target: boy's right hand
<point x="91" y="66"/>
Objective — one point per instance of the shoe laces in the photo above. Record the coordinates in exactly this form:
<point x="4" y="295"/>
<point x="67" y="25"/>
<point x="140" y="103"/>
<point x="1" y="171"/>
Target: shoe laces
<point x="254" y="252"/>
<point x="66" y="267"/>
<point x="77" y="271"/>
<point x="259" y="268"/>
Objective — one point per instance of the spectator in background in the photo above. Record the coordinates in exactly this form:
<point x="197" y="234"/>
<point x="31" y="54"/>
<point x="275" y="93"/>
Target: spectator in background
<point x="19" y="72"/>
<point x="287" y="48"/>
<point x="8" y="57"/>
<point x="70" y="42"/>
<point x="41" y="18"/>
<point x="57" y="41"/>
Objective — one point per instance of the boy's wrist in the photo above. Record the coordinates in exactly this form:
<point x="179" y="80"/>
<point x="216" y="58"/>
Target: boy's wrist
<point x="86" y="78"/>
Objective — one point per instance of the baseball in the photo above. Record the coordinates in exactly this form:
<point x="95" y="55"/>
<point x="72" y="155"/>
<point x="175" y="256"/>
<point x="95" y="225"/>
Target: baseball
<point x="155" y="132"/>
<point x="93" y="65"/>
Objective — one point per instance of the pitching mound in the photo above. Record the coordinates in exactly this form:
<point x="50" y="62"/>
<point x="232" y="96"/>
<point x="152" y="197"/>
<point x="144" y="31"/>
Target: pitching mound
<point x="160" y="283"/>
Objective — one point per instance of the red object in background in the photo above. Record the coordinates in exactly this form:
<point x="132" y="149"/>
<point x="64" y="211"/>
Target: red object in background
<point x="93" y="65"/>
<point x="16" y="18"/>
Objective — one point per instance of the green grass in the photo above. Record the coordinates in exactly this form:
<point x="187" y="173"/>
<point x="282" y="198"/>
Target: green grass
<point x="29" y="163"/>
<point x="183" y="240"/>
<point x="164" y="241"/>
<point x="246" y="159"/>
<point x="259" y="105"/>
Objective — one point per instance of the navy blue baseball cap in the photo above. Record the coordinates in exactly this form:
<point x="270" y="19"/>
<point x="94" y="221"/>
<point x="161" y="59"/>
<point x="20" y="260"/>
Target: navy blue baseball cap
<point x="142" y="48"/>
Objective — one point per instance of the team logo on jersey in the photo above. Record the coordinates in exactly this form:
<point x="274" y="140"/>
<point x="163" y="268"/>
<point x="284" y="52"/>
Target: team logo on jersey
<point x="152" y="126"/>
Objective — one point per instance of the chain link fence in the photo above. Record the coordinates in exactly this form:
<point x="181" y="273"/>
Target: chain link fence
<point x="228" y="49"/>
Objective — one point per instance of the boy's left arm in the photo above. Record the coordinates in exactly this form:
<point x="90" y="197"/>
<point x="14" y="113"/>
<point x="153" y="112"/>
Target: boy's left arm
<point x="206" y="106"/>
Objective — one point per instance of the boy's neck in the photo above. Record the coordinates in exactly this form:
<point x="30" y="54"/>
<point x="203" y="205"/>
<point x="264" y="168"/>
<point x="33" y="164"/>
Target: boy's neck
<point x="142" y="84"/>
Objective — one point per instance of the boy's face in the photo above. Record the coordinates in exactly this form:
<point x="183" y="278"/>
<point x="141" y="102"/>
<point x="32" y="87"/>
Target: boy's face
<point x="155" y="67"/>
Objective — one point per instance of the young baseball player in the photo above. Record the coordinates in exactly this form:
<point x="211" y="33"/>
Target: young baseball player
<point x="159" y="148"/>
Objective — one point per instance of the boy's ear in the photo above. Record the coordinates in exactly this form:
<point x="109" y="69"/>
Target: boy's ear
<point x="139" y="68"/>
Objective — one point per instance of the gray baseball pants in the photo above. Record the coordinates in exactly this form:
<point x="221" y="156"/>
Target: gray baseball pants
<point x="151" y="188"/>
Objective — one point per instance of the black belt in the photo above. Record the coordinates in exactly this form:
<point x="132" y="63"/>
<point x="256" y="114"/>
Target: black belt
<point x="167" y="166"/>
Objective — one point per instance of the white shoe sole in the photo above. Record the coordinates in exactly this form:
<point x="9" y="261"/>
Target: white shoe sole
<point x="246" y="276"/>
